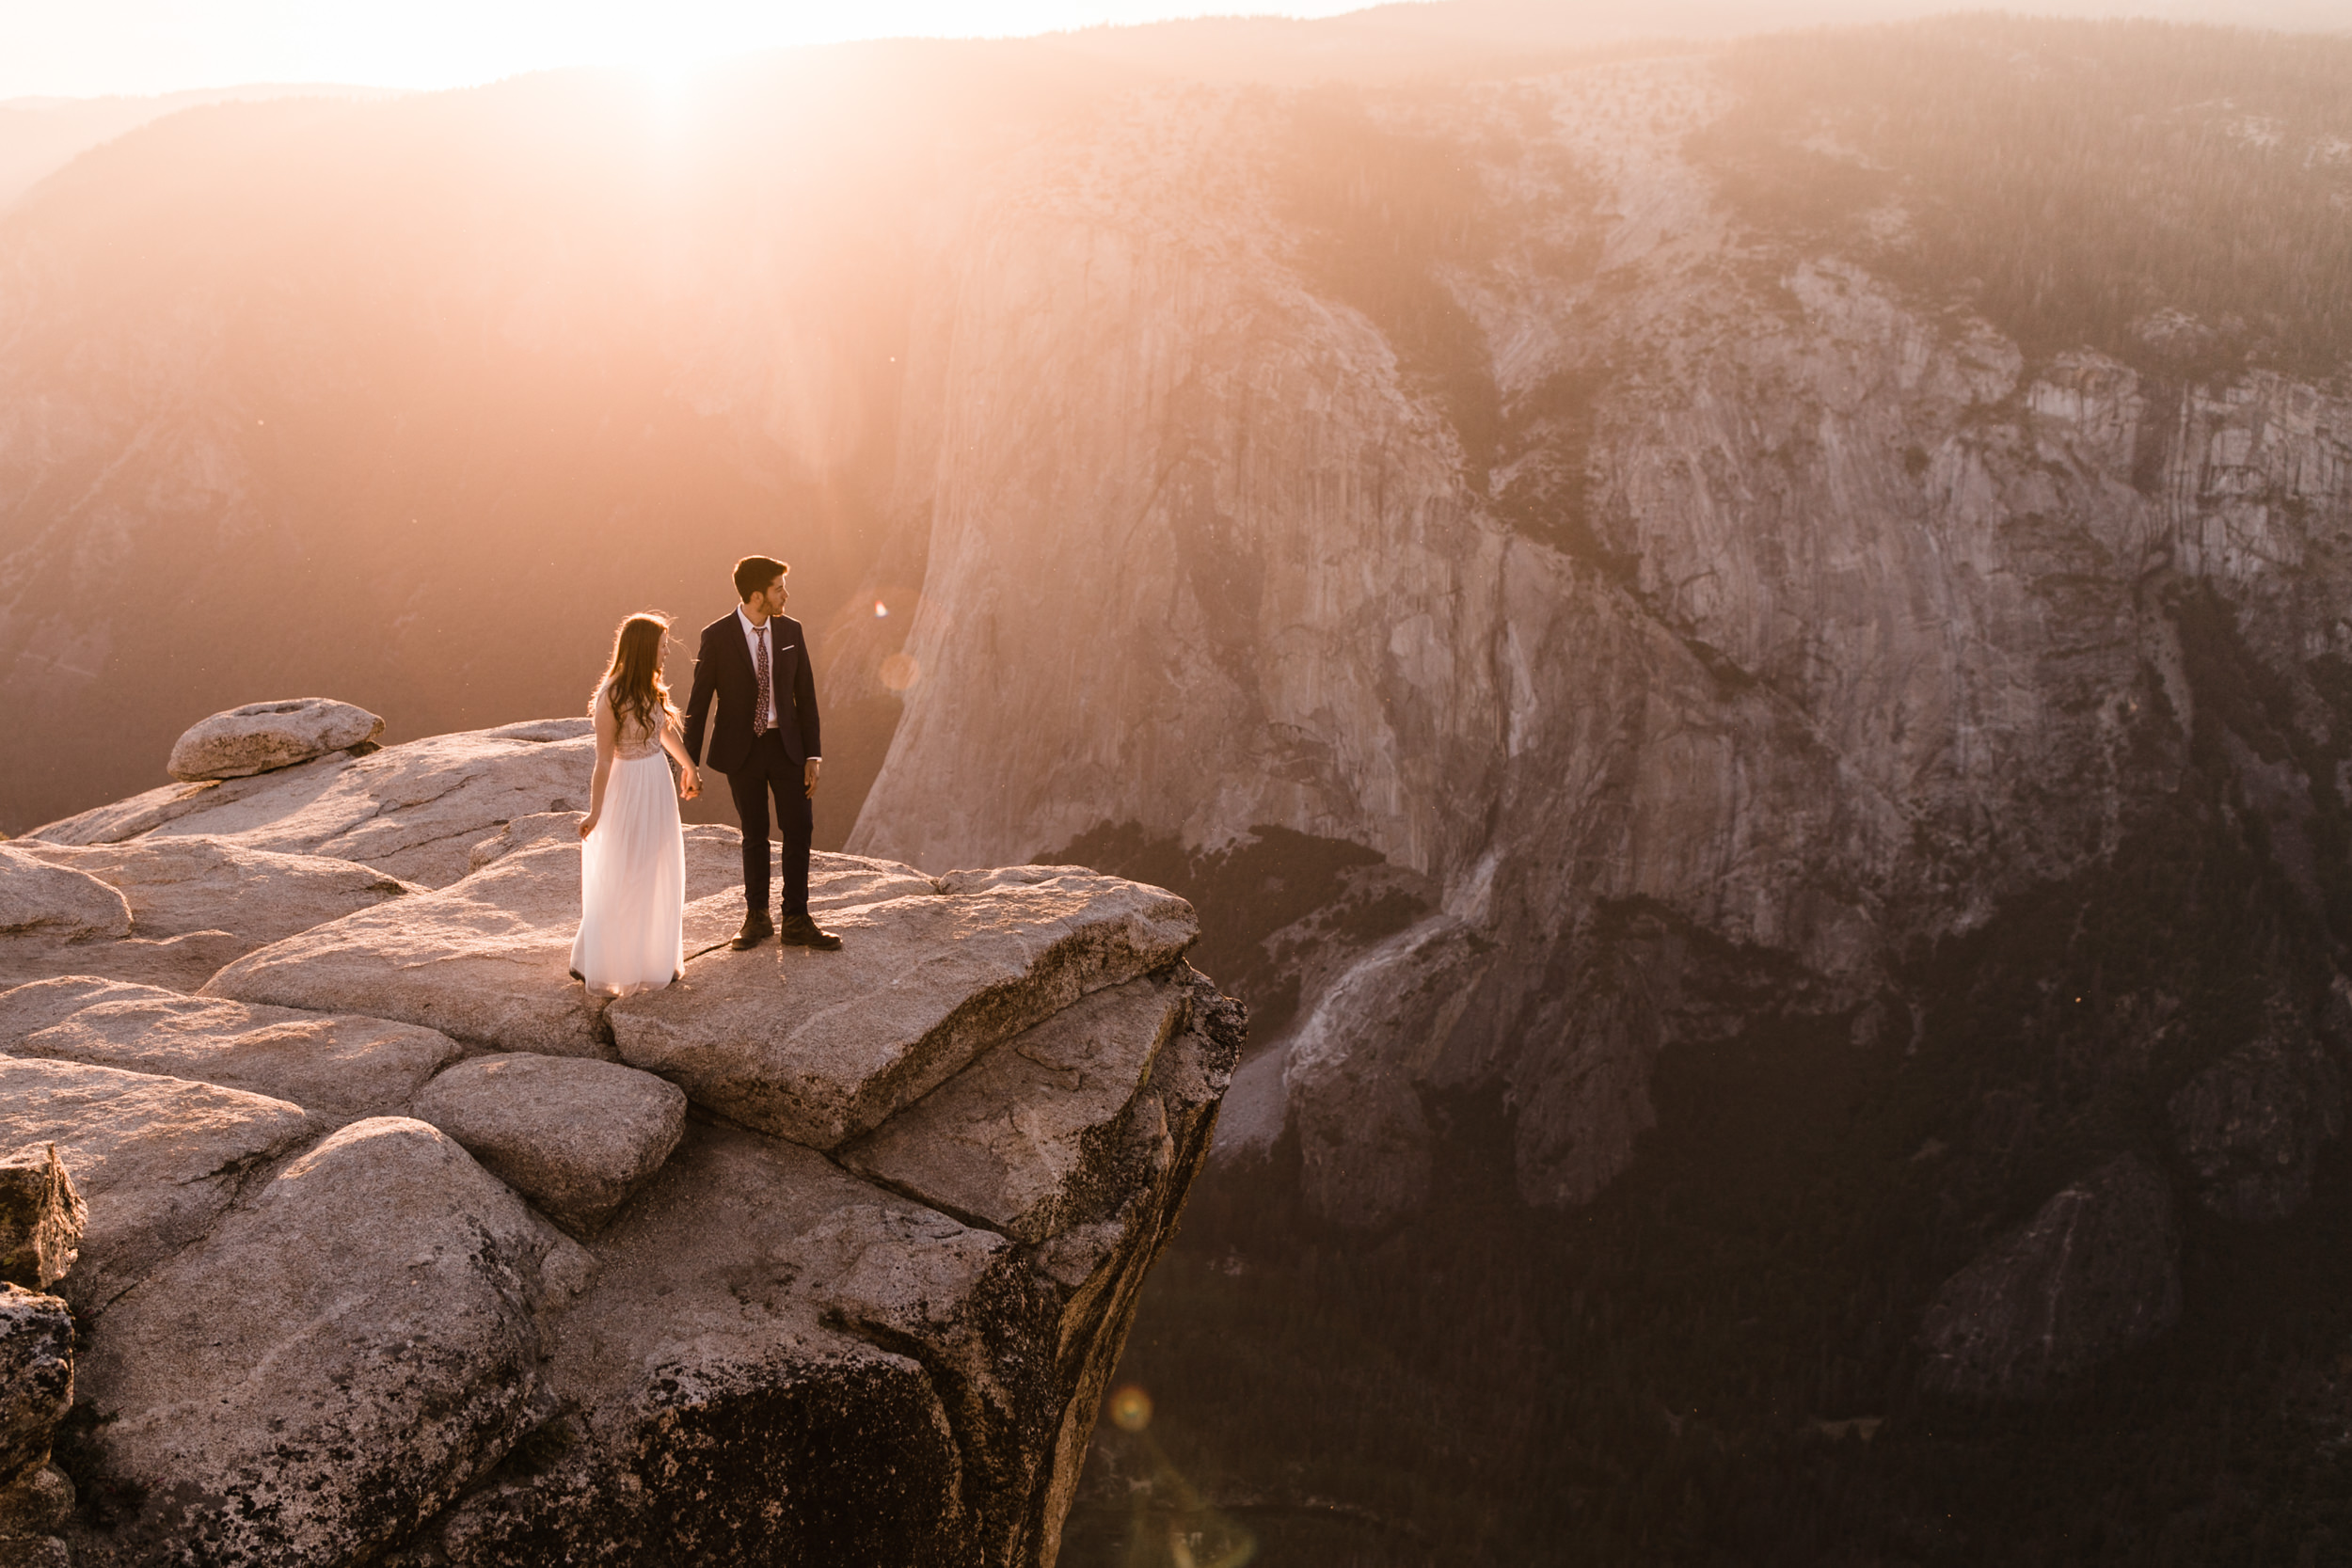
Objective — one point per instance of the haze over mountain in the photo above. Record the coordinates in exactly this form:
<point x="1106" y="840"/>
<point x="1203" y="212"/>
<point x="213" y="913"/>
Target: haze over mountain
<point x="1742" y="646"/>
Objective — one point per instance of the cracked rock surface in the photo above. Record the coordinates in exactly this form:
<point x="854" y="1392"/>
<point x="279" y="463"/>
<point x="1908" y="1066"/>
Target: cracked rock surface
<point x="388" y="1260"/>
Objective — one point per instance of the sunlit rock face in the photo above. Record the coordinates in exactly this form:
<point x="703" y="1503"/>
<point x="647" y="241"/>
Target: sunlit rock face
<point x="1694" y="615"/>
<point x="1708" y="626"/>
<point x="386" y="1258"/>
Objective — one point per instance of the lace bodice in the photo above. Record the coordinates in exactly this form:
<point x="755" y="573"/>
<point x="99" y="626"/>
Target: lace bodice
<point x="631" y="741"/>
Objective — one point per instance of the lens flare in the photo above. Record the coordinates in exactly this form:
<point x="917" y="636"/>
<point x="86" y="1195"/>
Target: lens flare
<point x="881" y="610"/>
<point x="1131" y="1409"/>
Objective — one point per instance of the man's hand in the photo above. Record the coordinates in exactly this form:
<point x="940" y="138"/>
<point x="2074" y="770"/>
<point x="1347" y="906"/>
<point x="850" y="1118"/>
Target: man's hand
<point x="689" y="787"/>
<point x="808" y="775"/>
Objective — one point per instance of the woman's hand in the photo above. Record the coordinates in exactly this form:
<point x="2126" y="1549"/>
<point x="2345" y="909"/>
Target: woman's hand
<point x="587" y="825"/>
<point x="689" y="783"/>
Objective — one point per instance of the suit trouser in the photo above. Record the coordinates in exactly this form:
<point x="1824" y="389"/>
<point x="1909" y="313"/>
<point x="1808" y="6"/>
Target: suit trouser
<point x="770" y="768"/>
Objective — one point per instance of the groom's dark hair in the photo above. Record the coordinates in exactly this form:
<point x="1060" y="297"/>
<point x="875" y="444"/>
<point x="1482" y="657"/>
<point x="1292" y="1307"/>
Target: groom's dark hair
<point x="755" y="572"/>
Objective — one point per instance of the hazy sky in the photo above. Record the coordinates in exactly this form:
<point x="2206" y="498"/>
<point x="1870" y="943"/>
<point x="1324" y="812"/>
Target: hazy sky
<point x="76" y="48"/>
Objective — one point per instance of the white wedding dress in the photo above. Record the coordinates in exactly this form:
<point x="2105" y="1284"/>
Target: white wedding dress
<point x="632" y="876"/>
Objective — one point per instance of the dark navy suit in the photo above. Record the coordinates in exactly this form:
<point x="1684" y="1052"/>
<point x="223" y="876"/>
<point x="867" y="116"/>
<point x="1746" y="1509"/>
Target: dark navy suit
<point x="760" y="767"/>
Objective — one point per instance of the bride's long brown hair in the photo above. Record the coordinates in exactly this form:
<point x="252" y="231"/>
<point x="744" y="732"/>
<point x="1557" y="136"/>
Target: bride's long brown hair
<point x="634" y="675"/>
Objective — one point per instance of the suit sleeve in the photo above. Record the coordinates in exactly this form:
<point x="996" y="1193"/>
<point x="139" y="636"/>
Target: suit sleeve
<point x="698" y="705"/>
<point x="805" y="698"/>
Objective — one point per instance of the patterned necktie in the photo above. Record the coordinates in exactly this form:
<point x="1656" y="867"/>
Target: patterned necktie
<point x="767" y="685"/>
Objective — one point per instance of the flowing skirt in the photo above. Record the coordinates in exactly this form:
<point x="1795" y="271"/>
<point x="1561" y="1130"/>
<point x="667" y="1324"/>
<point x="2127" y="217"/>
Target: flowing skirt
<point x="632" y="883"/>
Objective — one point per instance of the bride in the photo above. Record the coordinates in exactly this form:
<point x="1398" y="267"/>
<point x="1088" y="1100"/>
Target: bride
<point x="633" y="860"/>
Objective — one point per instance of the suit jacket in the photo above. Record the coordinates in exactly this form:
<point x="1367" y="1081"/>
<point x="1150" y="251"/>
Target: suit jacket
<point x="723" y="669"/>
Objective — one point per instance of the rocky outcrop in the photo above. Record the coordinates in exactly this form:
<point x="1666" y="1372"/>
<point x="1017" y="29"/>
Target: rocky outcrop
<point x="1071" y="1082"/>
<point x="931" y="976"/>
<point x="2094" y="1274"/>
<point x="260" y="738"/>
<point x="53" y="901"/>
<point x="332" y="1363"/>
<point x="41" y="1219"/>
<point x="35" y="1378"/>
<point x="351" y="1289"/>
<point x="413" y="811"/>
<point x="192" y="904"/>
<point x="578" y="1138"/>
<point x="487" y="960"/>
<point x="158" y="1159"/>
<point x="341" y="1066"/>
<point x="176" y="886"/>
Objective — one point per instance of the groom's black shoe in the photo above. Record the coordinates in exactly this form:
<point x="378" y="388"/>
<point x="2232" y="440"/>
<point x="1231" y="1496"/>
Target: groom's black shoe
<point x="799" y="930"/>
<point x="755" y="930"/>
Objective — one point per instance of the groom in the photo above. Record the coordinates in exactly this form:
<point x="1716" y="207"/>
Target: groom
<point x="755" y="661"/>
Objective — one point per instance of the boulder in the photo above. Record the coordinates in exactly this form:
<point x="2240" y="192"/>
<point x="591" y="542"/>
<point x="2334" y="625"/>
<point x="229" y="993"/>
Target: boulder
<point x="327" y="1368"/>
<point x="262" y="737"/>
<point x="820" y="1047"/>
<point x="2094" y="1274"/>
<point x="1032" y="1130"/>
<point x="2251" y="1125"/>
<point x="485" y="961"/>
<point x="175" y="886"/>
<point x="158" y="1159"/>
<point x="576" y="1138"/>
<point x="38" y="1003"/>
<point x="340" y="1066"/>
<point x="413" y="811"/>
<point x="119" y="822"/>
<point x="41" y="1218"/>
<point x="170" y="912"/>
<point x="57" y="902"/>
<point x="179" y="963"/>
<point x="35" y="1378"/>
<point x="489" y="959"/>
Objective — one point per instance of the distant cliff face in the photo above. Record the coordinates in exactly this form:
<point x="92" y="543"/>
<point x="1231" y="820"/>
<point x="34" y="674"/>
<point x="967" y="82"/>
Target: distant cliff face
<point x="1714" y="619"/>
<point x="1573" y="513"/>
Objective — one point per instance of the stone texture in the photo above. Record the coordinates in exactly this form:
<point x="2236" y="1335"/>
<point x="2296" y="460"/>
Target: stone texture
<point x="260" y="738"/>
<point x="412" y="811"/>
<point x="158" y="1159"/>
<point x="38" y="1003"/>
<point x="54" y="902"/>
<point x="485" y="961"/>
<point x="36" y="1552"/>
<point x="576" y="1138"/>
<point x="2094" y="1272"/>
<point x="119" y="822"/>
<point x="329" y="1366"/>
<point x="41" y="1218"/>
<point x="765" y="1356"/>
<point x="819" y="1047"/>
<point x="779" y="1363"/>
<point x="176" y="964"/>
<point x="1035" y="1128"/>
<point x="35" y="1378"/>
<point x="194" y="905"/>
<point x="175" y="886"/>
<point x="2251" y="1125"/>
<point x="489" y="960"/>
<point x="38" y="1505"/>
<point x="339" y="1066"/>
